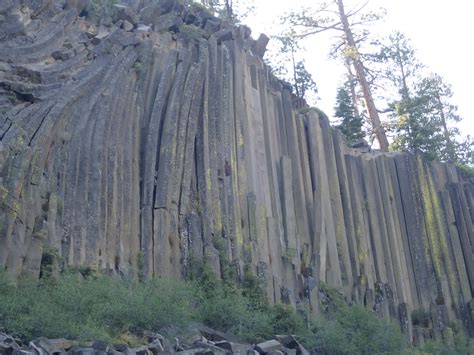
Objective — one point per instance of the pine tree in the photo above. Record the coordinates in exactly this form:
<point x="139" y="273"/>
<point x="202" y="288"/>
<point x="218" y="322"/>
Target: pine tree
<point x="334" y="16"/>
<point x="303" y="81"/>
<point x="423" y="114"/>
<point x="352" y="122"/>
<point x="288" y="68"/>
<point x="434" y="99"/>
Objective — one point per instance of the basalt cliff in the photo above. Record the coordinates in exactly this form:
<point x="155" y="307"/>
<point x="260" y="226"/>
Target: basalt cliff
<point x="154" y="140"/>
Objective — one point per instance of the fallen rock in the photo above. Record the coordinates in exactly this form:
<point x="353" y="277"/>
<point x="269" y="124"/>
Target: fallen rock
<point x="81" y="351"/>
<point x="234" y="348"/>
<point x="156" y="346"/>
<point x="143" y="28"/>
<point x="127" y="26"/>
<point x="91" y="31"/>
<point x="143" y="350"/>
<point x="290" y="342"/>
<point x="50" y="346"/>
<point x="215" y="335"/>
<point x="268" y="346"/>
<point x="125" y="13"/>
<point x="100" y="345"/>
<point x="7" y="344"/>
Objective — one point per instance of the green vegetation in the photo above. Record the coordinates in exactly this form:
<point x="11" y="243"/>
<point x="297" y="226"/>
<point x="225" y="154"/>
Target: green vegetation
<point x="85" y="305"/>
<point x="420" y="317"/>
<point x="198" y="7"/>
<point x="288" y="67"/>
<point x="351" y="123"/>
<point x="138" y="66"/>
<point x="94" y="307"/>
<point x="354" y="330"/>
<point x="100" y="10"/>
<point x="191" y="32"/>
<point x="460" y="344"/>
<point x="466" y="171"/>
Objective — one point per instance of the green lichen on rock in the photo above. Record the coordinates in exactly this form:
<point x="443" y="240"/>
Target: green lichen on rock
<point x="190" y="32"/>
<point x="3" y="194"/>
<point x="435" y="229"/>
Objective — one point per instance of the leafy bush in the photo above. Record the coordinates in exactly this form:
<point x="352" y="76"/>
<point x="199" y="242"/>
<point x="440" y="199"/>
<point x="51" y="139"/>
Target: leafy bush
<point x="344" y="329"/>
<point x="223" y="306"/>
<point x="420" y="317"/>
<point x="354" y="330"/>
<point x="100" y="10"/>
<point x="191" y="32"/>
<point x="92" y="308"/>
<point x="85" y="305"/>
<point x="466" y="171"/>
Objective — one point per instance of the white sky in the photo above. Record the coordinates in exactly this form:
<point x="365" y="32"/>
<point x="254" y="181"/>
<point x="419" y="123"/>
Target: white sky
<point x="440" y="31"/>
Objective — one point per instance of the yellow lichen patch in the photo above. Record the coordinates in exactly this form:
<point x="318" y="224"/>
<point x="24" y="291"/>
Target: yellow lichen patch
<point x="3" y="194"/>
<point x="241" y="139"/>
<point x="443" y="238"/>
<point x="363" y="256"/>
<point x="432" y="248"/>
<point x="437" y="238"/>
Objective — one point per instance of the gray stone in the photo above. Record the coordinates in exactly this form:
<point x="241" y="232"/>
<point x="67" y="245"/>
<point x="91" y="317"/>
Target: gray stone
<point x="7" y="344"/>
<point x="135" y="151"/>
<point x="234" y="348"/>
<point x="125" y="13"/>
<point x="156" y="346"/>
<point x="81" y="351"/>
<point x="260" y="47"/>
<point x="127" y="26"/>
<point x="268" y="346"/>
<point x="138" y="351"/>
<point x="168" y="22"/>
<point x="290" y="342"/>
<point x="100" y="345"/>
<point x="143" y="28"/>
<point x="212" y="25"/>
<point x="50" y="346"/>
<point x="222" y="35"/>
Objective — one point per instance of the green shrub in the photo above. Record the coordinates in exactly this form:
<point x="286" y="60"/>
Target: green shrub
<point x="92" y="308"/>
<point x="439" y="347"/>
<point x="99" y="10"/>
<point x="466" y="171"/>
<point x="84" y="305"/>
<point x="223" y="306"/>
<point x="191" y="32"/>
<point x="420" y="317"/>
<point x="355" y="330"/>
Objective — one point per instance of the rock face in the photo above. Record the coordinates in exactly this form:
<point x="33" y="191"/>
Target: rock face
<point x="160" y="142"/>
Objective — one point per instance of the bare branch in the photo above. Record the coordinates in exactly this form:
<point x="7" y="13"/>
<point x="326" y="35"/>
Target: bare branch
<point x="355" y="12"/>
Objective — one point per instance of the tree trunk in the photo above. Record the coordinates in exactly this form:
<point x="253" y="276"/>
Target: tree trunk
<point x="449" y="143"/>
<point x="351" y="78"/>
<point x="360" y="72"/>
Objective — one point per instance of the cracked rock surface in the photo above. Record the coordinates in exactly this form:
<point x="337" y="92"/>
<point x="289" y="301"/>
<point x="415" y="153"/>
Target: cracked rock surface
<point x="156" y="140"/>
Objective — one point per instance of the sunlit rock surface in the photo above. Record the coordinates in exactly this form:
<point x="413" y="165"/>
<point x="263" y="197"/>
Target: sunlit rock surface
<point x="156" y="141"/>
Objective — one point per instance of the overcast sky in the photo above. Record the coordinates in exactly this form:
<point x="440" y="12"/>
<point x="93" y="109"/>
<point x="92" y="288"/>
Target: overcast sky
<point x="439" y="30"/>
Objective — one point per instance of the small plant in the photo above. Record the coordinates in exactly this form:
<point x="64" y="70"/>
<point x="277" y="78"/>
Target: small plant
<point x="198" y="7"/>
<point x="92" y="306"/>
<point x="98" y="10"/>
<point x="191" y="32"/>
<point x="466" y="171"/>
<point x="138" y="66"/>
<point x="421" y="318"/>
<point x="333" y="299"/>
<point x="355" y="330"/>
<point x="50" y="263"/>
<point x="141" y="266"/>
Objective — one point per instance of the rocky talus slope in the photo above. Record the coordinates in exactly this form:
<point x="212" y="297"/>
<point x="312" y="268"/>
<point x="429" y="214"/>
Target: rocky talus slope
<point x="157" y="140"/>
